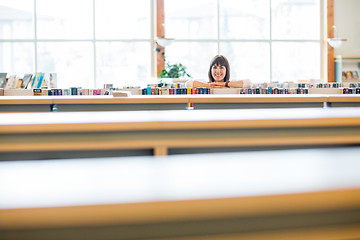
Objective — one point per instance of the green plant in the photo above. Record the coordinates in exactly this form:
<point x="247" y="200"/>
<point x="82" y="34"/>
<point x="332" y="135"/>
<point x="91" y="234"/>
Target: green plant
<point x="174" y="71"/>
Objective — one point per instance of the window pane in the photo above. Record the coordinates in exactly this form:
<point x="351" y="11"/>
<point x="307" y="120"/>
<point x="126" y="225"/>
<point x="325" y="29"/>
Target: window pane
<point x="296" y="19"/>
<point x="248" y="60"/>
<point x="195" y="57"/>
<point x="122" y="19"/>
<point x="64" y="19"/>
<point x="295" y="61"/>
<point x="123" y="64"/>
<point x="16" y="19"/>
<point x="17" y="58"/>
<point x="245" y="19"/>
<point x="189" y="19"/>
<point x="72" y="61"/>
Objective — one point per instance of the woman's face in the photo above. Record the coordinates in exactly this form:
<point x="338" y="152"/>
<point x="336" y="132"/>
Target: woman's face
<point x="218" y="73"/>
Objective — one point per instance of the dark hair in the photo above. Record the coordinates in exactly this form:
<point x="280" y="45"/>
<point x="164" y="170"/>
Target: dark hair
<point x="220" y="60"/>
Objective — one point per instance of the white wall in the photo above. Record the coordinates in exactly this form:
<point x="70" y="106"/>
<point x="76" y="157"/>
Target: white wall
<point x="347" y="22"/>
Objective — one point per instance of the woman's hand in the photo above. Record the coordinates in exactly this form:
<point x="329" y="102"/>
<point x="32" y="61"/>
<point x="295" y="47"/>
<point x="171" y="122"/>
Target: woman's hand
<point x="218" y="84"/>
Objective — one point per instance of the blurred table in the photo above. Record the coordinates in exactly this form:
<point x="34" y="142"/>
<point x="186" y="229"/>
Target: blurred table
<point x="291" y="194"/>
<point x="102" y="134"/>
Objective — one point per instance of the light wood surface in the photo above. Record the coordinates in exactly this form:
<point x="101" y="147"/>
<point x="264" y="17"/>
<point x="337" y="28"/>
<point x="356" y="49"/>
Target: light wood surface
<point x="177" y="120"/>
<point x="334" y="233"/>
<point x="172" y="102"/>
<point x="193" y="188"/>
<point x="161" y="131"/>
<point x="130" y="213"/>
<point x="343" y="98"/>
<point x="121" y="100"/>
<point x="25" y="100"/>
<point x="226" y="98"/>
<point x="330" y="34"/>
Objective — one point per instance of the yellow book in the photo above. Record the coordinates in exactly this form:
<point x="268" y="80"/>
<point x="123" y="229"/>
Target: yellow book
<point x="19" y="83"/>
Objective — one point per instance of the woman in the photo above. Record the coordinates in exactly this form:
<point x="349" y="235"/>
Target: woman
<point x="219" y="75"/>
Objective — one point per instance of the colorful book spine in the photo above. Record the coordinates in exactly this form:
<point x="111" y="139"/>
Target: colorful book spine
<point x="37" y="91"/>
<point x="74" y="91"/>
<point x="41" y="79"/>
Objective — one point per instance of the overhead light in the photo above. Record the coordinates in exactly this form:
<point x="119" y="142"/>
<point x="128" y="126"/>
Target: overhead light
<point x="336" y="42"/>
<point x="164" y="41"/>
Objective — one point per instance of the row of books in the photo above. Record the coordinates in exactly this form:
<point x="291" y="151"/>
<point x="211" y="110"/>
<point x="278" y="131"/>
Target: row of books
<point x="70" y="91"/>
<point x="291" y="85"/>
<point x="176" y="91"/>
<point x="288" y="85"/>
<point x="350" y="75"/>
<point x="300" y="91"/>
<point x="269" y="90"/>
<point x="28" y="81"/>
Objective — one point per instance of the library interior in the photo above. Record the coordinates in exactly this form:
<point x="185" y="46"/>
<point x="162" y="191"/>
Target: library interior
<point x="179" y="120"/>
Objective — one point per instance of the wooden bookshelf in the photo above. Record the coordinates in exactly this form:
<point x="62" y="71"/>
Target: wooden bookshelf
<point x="169" y="102"/>
<point x="348" y="58"/>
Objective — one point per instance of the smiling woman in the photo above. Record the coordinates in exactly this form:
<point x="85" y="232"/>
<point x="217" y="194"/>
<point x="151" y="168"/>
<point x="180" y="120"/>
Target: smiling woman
<point x="219" y="76"/>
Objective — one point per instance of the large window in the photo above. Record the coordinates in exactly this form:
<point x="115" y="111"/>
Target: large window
<point x="264" y="40"/>
<point x="86" y="42"/>
<point x="92" y="42"/>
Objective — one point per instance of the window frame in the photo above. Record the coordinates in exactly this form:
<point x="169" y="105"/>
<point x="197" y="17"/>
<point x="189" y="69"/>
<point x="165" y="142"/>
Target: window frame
<point x="157" y="19"/>
<point x="323" y="51"/>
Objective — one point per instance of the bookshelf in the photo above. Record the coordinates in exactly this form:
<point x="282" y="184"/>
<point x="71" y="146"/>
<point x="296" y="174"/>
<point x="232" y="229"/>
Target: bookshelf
<point x="174" y="102"/>
<point x="345" y="64"/>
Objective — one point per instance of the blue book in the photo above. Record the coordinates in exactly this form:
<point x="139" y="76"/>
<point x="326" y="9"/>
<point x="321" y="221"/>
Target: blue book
<point x="41" y="79"/>
<point x="38" y="78"/>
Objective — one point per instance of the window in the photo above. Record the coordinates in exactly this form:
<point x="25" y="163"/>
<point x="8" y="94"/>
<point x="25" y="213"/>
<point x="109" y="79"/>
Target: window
<point x="112" y="41"/>
<point x="264" y="40"/>
<point x="88" y="44"/>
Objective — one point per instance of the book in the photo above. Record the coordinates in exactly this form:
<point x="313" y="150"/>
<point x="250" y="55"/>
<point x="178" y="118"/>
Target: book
<point x="53" y="80"/>
<point x="31" y="82"/>
<point x="74" y="91"/>
<point x="39" y="80"/>
<point x="19" y="83"/>
<point x="46" y="80"/>
<point x="36" y="80"/>
<point x="349" y="75"/>
<point x="12" y="82"/>
<point x="37" y="92"/>
<point x="2" y="80"/>
<point x="355" y="75"/>
<point x="25" y="81"/>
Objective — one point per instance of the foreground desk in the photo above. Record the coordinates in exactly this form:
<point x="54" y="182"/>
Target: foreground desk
<point x="101" y="134"/>
<point x="228" y="101"/>
<point x="176" y="102"/>
<point x="91" y="103"/>
<point x="25" y="104"/>
<point x="172" y="102"/>
<point x="292" y="194"/>
<point x="343" y="101"/>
